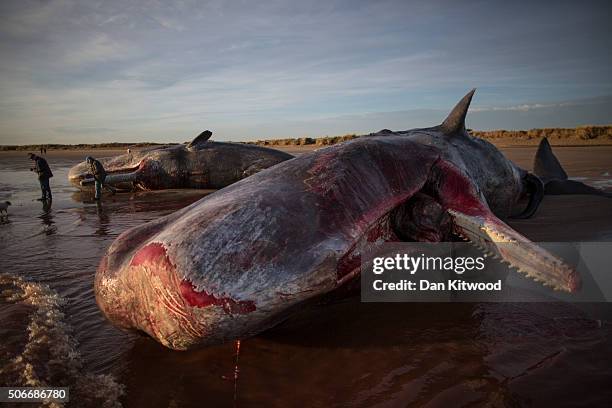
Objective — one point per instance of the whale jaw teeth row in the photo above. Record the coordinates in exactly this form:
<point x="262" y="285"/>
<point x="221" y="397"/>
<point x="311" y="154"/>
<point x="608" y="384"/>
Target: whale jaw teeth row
<point x="497" y="239"/>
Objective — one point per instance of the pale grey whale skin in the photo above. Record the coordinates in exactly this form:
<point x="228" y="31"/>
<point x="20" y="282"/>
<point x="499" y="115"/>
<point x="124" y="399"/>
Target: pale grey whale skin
<point x="201" y="164"/>
<point x="243" y="258"/>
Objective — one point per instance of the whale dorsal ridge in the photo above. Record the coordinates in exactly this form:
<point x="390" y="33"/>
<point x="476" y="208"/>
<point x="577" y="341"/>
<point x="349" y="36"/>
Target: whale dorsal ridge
<point x="455" y="122"/>
<point x="201" y="138"/>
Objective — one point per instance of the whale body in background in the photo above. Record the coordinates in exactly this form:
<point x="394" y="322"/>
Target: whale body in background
<point x="200" y="164"/>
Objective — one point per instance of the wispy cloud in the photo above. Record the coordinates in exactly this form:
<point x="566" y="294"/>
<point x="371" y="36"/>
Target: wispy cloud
<point x="98" y="48"/>
<point x="82" y="130"/>
<point x="526" y="107"/>
<point x="160" y="70"/>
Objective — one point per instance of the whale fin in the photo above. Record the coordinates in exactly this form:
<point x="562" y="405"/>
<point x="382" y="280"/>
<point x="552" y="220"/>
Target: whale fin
<point x="455" y="121"/>
<point x="548" y="168"/>
<point x="201" y="138"/>
<point x="546" y="165"/>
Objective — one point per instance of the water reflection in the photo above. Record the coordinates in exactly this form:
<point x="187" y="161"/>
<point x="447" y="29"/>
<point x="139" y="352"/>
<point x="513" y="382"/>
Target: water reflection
<point x="103" y="220"/>
<point x="355" y="354"/>
<point x="143" y="201"/>
<point x="47" y="218"/>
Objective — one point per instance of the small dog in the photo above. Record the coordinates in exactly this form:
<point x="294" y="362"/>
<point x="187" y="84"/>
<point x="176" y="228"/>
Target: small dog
<point x="4" y="206"/>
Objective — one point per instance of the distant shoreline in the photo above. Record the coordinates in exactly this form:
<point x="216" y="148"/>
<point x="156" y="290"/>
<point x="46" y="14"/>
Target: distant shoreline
<point x="81" y="146"/>
<point x="580" y="136"/>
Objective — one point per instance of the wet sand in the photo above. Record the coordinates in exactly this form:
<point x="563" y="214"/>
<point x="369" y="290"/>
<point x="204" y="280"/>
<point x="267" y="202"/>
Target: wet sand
<point x="590" y="217"/>
<point x="346" y="353"/>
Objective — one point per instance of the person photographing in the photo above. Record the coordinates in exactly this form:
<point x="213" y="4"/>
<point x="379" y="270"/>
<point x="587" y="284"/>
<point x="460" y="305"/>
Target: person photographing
<point x="99" y="174"/>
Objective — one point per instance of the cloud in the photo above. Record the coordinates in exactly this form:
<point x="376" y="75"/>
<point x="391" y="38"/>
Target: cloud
<point x="569" y="114"/>
<point x="161" y="70"/>
<point x="96" y="49"/>
<point x="526" y="107"/>
<point x="82" y="130"/>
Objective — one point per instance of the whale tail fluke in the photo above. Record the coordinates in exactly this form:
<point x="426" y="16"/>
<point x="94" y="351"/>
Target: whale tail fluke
<point x="548" y="168"/>
<point x="546" y="165"/>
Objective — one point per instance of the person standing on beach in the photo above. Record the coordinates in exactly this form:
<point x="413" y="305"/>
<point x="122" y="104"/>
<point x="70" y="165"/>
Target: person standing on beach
<point x="97" y="170"/>
<point x="41" y="167"/>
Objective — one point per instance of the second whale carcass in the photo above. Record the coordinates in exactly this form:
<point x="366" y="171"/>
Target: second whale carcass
<point x="201" y="164"/>
<point x="243" y="258"/>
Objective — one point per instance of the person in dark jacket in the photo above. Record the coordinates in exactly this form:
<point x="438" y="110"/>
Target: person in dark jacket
<point x="41" y="167"/>
<point x="99" y="174"/>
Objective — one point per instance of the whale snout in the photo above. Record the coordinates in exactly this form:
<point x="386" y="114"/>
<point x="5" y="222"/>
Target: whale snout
<point x="141" y="291"/>
<point x="122" y="172"/>
<point x="137" y="287"/>
<point x="78" y="173"/>
<point x="141" y="286"/>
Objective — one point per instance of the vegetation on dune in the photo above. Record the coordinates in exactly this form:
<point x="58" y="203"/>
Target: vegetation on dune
<point x="557" y="136"/>
<point x="602" y="133"/>
<point x="590" y="135"/>
<point x="304" y="141"/>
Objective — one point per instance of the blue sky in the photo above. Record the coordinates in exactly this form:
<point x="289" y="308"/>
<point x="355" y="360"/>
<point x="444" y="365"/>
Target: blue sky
<point x="86" y="72"/>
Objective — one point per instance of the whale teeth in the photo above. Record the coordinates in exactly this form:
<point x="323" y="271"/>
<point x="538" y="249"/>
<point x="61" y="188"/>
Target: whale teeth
<point x="494" y="237"/>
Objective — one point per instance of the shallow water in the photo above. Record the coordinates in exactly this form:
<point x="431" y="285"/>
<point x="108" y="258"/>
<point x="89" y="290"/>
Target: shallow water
<point x="341" y="354"/>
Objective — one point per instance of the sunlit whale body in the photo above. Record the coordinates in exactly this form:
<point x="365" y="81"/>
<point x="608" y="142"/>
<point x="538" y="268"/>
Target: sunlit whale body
<point x="243" y="258"/>
<point x="199" y="164"/>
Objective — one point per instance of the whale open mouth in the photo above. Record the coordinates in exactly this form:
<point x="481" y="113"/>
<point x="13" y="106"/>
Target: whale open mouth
<point x="447" y="208"/>
<point x="496" y="238"/>
<point x="474" y="221"/>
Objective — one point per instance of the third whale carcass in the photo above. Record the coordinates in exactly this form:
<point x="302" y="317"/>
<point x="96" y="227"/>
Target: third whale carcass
<point x="200" y="164"/>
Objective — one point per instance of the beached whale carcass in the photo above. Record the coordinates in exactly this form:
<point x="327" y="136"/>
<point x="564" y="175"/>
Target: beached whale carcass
<point x="199" y="164"/>
<point x="241" y="259"/>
